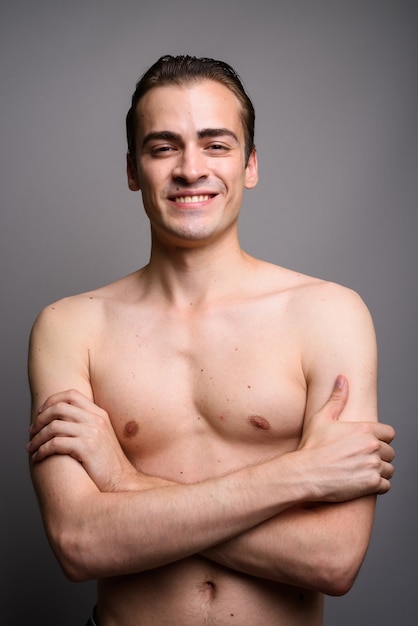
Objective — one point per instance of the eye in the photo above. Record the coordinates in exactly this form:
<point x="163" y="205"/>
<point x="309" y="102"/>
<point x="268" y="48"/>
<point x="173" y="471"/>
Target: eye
<point x="217" y="147"/>
<point x="160" y="151"/>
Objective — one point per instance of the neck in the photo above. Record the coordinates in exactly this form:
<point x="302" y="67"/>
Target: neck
<point x="196" y="275"/>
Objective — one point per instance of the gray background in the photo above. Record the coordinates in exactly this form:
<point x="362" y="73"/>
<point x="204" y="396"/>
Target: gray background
<point x="335" y="90"/>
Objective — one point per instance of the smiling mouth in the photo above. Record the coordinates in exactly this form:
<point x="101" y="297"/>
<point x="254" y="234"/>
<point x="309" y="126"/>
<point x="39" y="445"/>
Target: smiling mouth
<point x="193" y="199"/>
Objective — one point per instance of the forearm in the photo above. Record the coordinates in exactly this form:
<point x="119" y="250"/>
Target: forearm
<point x="319" y="548"/>
<point x="97" y="534"/>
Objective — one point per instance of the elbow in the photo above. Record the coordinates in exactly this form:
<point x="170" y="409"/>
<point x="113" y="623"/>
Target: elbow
<point x="74" y="572"/>
<point x="72" y="554"/>
<point x="338" y="585"/>
<point x="339" y="574"/>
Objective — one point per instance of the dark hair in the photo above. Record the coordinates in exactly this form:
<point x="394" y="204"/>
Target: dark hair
<point x="182" y="70"/>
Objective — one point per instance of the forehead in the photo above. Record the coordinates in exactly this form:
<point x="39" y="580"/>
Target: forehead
<point x="189" y="108"/>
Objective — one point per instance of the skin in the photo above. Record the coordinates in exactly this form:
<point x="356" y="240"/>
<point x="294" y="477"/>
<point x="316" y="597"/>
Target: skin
<point x="193" y="446"/>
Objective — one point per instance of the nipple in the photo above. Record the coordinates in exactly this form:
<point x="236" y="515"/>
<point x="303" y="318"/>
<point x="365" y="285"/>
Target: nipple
<point x="131" y="428"/>
<point x="260" y="423"/>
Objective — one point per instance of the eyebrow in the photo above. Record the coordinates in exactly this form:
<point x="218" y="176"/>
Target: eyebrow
<point x="216" y="132"/>
<point x="168" y="135"/>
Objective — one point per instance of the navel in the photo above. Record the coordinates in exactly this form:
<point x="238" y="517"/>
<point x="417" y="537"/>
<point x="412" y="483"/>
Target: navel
<point x="260" y="423"/>
<point x="131" y="428"/>
<point x="208" y="589"/>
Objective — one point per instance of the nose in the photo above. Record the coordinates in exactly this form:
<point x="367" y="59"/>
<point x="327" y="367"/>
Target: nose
<point x="191" y="165"/>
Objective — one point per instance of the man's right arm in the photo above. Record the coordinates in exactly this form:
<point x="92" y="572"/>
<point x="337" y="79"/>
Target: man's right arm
<point x="94" y="533"/>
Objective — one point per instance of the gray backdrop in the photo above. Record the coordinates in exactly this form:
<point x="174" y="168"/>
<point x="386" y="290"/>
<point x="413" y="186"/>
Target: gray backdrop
<point x="335" y="90"/>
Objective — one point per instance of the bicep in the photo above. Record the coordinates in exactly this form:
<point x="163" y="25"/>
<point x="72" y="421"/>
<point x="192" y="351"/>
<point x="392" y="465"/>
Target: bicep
<point x="343" y="341"/>
<point x="58" y="357"/>
<point x="57" y="361"/>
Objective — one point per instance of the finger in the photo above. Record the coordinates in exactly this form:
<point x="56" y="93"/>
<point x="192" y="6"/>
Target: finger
<point x="387" y="453"/>
<point x="387" y="470"/>
<point x="384" y="486"/>
<point x="67" y="405"/>
<point x="386" y="473"/>
<point x="62" y="411"/>
<point x="57" y="428"/>
<point x="384" y="432"/>
<point x="337" y="400"/>
<point x="69" y="396"/>
<point x="59" y="445"/>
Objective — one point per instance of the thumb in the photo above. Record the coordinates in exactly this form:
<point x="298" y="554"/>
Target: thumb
<point x="337" y="400"/>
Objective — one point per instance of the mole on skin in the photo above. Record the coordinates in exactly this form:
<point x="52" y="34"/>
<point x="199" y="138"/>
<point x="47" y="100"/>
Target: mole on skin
<point x="259" y="422"/>
<point x="131" y="428"/>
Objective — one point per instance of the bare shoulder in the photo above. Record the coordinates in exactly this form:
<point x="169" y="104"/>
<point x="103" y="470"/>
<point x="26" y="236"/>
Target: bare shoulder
<point x="323" y="298"/>
<point x="313" y="296"/>
<point x="64" y="335"/>
<point x="83" y="312"/>
<point x="337" y="336"/>
<point x="329" y="310"/>
<point x="328" y="317"/>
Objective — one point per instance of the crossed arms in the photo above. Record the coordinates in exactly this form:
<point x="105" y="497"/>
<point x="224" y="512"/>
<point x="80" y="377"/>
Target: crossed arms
<point x="105" y="518"/>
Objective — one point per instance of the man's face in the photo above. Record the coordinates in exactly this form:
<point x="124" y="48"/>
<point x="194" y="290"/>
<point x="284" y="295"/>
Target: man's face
<point x="191" y="161"/>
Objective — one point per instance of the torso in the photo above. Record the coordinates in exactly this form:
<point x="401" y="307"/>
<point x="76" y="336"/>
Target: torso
<point x="195" y="394"/>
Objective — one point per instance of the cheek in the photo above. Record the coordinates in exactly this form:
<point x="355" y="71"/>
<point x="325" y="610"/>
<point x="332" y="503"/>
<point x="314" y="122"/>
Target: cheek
<point x="152" y="180"/>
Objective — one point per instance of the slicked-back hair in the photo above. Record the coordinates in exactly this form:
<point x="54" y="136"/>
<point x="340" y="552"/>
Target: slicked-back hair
<point x="185" y="70"/>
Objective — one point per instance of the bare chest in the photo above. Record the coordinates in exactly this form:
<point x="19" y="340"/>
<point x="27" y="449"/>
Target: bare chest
<point x="187" y="393"/>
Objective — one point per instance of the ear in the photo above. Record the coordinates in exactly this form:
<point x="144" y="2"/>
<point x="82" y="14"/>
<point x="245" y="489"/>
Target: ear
<point x="132" y="174"/>
<point x="251" y="171"/>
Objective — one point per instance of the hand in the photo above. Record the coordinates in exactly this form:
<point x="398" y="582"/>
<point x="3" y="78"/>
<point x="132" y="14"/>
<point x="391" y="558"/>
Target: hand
<point x="352" y="459"/>
<point x="69" y="423"/>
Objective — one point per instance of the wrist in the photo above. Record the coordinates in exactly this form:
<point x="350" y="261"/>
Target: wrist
<point x="297" y="472"/>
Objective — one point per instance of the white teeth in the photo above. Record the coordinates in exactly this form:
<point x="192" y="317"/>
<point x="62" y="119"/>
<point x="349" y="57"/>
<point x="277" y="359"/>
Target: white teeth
<point x="187" y="199"/>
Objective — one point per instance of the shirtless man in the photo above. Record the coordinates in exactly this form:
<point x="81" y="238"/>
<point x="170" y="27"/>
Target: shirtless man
<point x="195" y="446"/>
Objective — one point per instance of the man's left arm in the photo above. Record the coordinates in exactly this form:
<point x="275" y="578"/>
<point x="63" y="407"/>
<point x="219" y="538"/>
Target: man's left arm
<point x="320" y="547"/>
